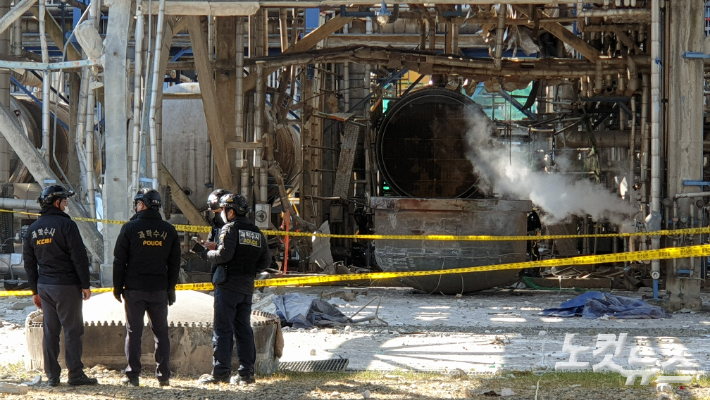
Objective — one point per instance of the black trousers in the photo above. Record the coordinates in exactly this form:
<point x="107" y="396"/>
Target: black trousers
<point x="232" y="317"/>
<point x="62" y="308"/>
<point x="137" y="304"/>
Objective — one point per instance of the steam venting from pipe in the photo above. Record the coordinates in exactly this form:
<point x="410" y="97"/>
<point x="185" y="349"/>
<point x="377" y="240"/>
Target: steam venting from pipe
<point x="560" y="196"/>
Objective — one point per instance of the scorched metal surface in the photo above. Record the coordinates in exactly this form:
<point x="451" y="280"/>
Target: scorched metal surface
<point x="419" y="216"/>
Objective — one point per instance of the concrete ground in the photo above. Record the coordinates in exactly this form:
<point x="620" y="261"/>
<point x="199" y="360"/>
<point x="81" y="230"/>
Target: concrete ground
<point x="490" y="331"/>
<point x="478" y="333"/>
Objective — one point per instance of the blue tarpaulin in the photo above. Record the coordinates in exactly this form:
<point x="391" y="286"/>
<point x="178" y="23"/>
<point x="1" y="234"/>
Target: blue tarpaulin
<point x="305" y="312"/>
<point x="593" y="305"/>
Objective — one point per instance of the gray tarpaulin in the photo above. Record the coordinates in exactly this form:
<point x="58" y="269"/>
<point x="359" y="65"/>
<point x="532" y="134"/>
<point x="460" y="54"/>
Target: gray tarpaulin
<point x="593" y="305"/>
<point x="305" y="312"/>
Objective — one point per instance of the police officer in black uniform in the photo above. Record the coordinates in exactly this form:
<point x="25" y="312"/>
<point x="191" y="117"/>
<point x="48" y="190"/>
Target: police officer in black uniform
<point x="58" y="273"/>
<point x="243" y="252"/>
<point x="217" y="222"/>
<point x="146" y="265"/>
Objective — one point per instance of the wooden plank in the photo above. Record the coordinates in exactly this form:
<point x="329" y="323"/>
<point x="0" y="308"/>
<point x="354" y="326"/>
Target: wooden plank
<point x="308" y="42"/>
<point x="306" y="184"/>
<point x="311" y="40"/>
<point x="399" y="40"/>
<point x="198" y="37"/>
<point x="212" y="8"/>
<point x="626" y="40"/>
<point x="562" y="33"/>
<point x="568" y="283"/>
<point x="225" y="81"/>
<point x="226" y="85"/>
<point x="183" y="202"/>
<point x="182" y="96"/>
<point x="55" y="33"/>
<point x="232" y="144"/>
<point x="187" y="7"/>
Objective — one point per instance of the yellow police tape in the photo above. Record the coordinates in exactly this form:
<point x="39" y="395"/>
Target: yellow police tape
<point x="663" y="254"/>
<point x="465" y="238"/>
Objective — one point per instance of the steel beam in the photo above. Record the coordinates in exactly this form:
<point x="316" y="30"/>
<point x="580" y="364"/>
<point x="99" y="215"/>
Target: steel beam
<point x="40" y="170"/>
<point x="306" y="43"/>
<point x="15" y="13"/>
<point x="19" y="204"/>
<point x="183" y="202"/>
<point x="198" y="35"/>
<point x="512" y="100"/>
<point x="116" y="194"/>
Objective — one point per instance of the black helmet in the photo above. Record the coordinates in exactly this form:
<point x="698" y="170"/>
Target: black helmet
<point x="149" y="197"/>
<point x="50" y="194"/>
<point x="235" y="202"/>
<point x="213" y="199"/>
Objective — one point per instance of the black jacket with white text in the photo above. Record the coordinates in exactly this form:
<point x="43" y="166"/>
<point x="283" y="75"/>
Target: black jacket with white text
<point x="147" y="254"/>
<point x="53" y="251"/>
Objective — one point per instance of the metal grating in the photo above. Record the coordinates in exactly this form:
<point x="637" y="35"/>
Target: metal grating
<point x="332" y="365"/>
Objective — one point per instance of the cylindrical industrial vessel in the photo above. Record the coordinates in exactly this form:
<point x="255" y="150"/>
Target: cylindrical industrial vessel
<point x="186" y="145"/>
<point x="421" y="145"/>
<point x="29" y="115"/>
<point x="419" y="216"/>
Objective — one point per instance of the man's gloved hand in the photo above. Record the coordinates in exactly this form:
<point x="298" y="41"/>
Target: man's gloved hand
<point x="171" y="296"/>
<point x="118" y="293"/>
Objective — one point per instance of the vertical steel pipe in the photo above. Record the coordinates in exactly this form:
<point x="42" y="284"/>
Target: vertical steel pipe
<point x="137" y="78"/>
<point x="645" y="159"/>
<point x="157" y="82"/>
<point x="346" y="86"/>
<point x="45" y="82"/>
<point x="632" y="153"/>
<point x="90" y="149"/>
<point x="239" y="95"/>
<point x="5" y="148"/>
<point x="259" y="100"/>
<point x="500" y="32"/>
<point x="655" y="132"/>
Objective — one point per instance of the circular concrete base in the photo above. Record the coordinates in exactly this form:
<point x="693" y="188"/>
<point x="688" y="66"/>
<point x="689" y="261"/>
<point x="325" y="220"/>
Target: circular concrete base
<point x="190" y="336"/>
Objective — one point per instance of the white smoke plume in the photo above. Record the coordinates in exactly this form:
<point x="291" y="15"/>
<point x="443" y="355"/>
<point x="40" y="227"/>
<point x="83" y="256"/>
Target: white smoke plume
<point x="560" y="196"/>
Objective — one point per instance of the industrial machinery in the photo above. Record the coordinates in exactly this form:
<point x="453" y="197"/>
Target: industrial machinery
<point x="422" y="153"/>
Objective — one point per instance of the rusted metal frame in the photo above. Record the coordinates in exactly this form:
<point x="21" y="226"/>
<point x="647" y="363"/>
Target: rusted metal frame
<point x="281" y="104"/>
<point x="417" y="61"/>
<point x="562" y="33"/>
<point x="299" y="223"/>
<point x="626" y="40"/>
<point x="209" y="99"/>
<point x="306" y="43"/>
<point x="226" y="84"/>
<point x="307" y="207"/>
<point x="607" y="27"/>
<point x="431" y="21"/>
